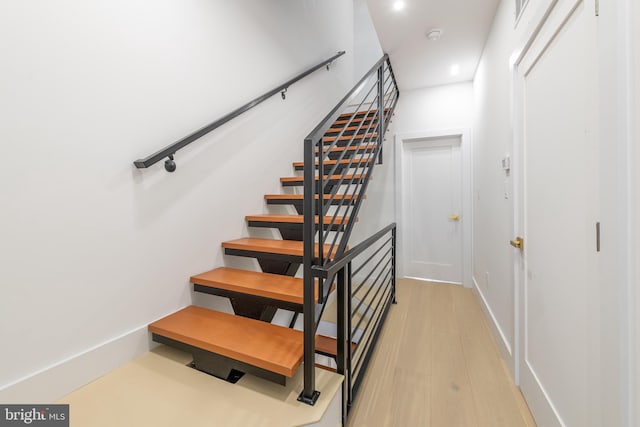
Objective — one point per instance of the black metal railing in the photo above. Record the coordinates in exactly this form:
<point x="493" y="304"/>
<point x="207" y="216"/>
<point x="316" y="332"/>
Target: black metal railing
<point x="338" y="163"/>
<point x="366" y="288"/>
<point x="169" y="151"/>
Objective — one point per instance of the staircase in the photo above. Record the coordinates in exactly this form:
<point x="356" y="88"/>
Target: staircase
<point x="339" y="156"/>
<point x="223" y="344"/>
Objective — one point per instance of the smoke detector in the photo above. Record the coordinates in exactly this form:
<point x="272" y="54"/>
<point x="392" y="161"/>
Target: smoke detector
<point x="434" y="34"/>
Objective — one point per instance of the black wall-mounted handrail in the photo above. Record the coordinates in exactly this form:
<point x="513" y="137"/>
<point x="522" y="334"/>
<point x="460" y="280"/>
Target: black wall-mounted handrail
<point x="170" y="150"/>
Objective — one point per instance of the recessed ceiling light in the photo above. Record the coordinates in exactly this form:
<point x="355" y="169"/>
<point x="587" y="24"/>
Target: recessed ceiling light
<point x="434" y="34"/>
<point x="455" y="69"/>
<point x="398" y="5"/>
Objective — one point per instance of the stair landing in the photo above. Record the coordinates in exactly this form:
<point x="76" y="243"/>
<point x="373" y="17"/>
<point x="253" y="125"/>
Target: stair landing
<point x="159" y="389"/>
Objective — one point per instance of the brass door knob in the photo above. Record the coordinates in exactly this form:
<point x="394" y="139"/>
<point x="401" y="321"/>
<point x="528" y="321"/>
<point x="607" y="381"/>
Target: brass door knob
<point x="517" y="243"/>
<point x="454" y="217"/>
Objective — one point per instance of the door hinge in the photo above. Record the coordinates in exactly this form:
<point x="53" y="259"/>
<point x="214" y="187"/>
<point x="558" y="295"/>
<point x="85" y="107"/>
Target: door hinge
<point x="597" y="7"/>
<point x="597" y="237"/>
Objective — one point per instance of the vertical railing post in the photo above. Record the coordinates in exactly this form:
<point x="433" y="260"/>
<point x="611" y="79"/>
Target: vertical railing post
<point x="380" y="109"/>
<point x="349" y="334"/>
<point x="341" y="357"/>
<point x="393" y="262"/>
<point x="309" y="394"/>
<point x="319" y="189"/>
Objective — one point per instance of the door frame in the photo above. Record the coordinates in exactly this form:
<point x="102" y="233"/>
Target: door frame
<point x="632" y="30"/>
<point x="467" y="206"/>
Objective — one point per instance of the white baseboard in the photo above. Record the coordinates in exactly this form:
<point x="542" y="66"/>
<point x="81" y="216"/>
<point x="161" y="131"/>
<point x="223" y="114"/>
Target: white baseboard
<point x="503" y="344"/>
<point x="53" y="382"/>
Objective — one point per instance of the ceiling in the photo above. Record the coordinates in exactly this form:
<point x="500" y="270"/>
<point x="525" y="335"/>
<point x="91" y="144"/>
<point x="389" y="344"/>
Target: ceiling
<point x="420" y="62"/>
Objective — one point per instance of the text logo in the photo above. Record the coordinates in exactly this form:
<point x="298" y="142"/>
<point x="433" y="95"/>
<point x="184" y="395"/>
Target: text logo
<point x="34" y="415"/>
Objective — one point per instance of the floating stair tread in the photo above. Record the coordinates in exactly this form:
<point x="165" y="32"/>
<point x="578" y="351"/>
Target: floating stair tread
<point x="354" y="162"/>
<point x="348" y="120"/>
<point x="266" y="285"/>
<point x="350" y="137"/>
<point x="327" y="368"/>
<point x="283" y="247"/>
<point x="347" y="177"/>
<point x="361" y="113"/>
<point x="294" y="219"/>
<point x="329" y="345"/>
<point x="300" y="197"/>
<point x="350" y="128"/>
<point x="349" y="148"/>
<point x="267" y="346"/>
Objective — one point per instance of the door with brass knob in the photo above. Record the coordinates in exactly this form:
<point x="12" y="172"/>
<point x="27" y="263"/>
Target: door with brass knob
<point x="432" y="211"/>
<point x="517" y="243"/>
<point x="560" y="295"/>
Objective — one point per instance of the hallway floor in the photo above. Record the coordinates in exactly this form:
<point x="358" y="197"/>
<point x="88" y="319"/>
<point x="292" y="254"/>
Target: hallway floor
<point x="436" y="364"/>
<point x="158" y="389"/>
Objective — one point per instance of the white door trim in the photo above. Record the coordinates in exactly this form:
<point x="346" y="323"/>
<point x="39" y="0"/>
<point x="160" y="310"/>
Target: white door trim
<point x="467" y="213"/>
<point x="633" y="179"/>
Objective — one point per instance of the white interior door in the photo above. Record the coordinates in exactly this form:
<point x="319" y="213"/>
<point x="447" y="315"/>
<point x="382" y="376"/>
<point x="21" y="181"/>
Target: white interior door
<point x="432" y="209"/>
<point x="557" y="215"/>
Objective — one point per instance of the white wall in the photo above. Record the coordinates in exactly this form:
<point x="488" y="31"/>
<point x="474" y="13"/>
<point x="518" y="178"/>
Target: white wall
<point x="493" y="213"/>
<point x="367" y="49"/>
<point x="376" y="211"/>
<point x="493" y="225"/>
<point x="435" y="108"/>
<point x="428" y="109"/>
<point x="615" y="280"/>
<point x="93" y="249"/>
<point x="634" y="180"/>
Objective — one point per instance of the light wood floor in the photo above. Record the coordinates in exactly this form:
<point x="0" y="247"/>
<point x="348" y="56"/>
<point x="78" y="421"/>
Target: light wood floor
<point x="158" y="389"/>
<point x="436" y="364"/>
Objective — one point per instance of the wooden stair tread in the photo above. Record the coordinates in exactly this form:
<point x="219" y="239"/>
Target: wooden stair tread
<point x="350" y="137"/>
<point x="283" y="247"/>
<point x="357" y="113"/>
<point x="326" y="345"/>
<point x="326" y="368"/>
<point x="348" y="120"/>
<point x="301" y="197"/>
<point x="354" y="162"/>
<point x="349" y="148"/>
<point x="347" y="177"/>
<point x="329" y="345"/>
<point x="294" y="219"/>
<point x="266" y="285"/>
<point x="267" y="346"/>
<point x="359" y="116"/>
<point x="349" y="129"/>
<point x="362" y="113"/>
